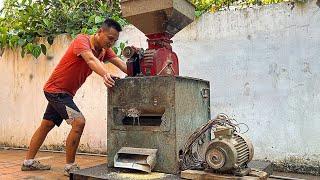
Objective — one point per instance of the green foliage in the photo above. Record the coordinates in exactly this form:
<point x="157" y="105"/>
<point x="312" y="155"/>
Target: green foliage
<point x="23" y="21"/>
<point x="215" y="5"/>
<point x="118" y="50"/>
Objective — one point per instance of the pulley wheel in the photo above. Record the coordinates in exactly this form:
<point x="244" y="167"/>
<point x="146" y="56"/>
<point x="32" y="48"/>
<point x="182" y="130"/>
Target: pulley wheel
<point x="128" y="52"/>
<point x="215" y="158"/>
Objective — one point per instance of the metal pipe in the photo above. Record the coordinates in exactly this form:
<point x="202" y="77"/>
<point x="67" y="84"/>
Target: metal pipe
<point x="284" y="178"/>
<point x="53" y="151"/>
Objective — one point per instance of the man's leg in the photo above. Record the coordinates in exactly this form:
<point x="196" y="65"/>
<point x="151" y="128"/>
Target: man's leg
<point x="63" y="104"/>
<point x="38" y="137"/>
<point x="73" y="139"/>
<point x="30" y="164"/>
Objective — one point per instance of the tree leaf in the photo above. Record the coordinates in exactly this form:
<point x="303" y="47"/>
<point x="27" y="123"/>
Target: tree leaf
<point x="73" y="35"/>
<point x="22" y="42"/>
<point x="46" y="2"/>
<point x="13" y="41"/>
<point x="30" y="38"/>
<point x="84" y="30"/>
<point x="36" y="51"/>
<point x="91" y="19"/>
<point x="115" y="49"/>
<point x="122" y="45"/>
<point x="23" y="52"/>
<point x="29" y="47"/>
<point x="98" y="19"/>
<point x="47" y="22"/>
<point x="3" y="40"/>
<point x="44" y="49"/>
<point x="3" y="30"/>
<point x="50" y="40"/>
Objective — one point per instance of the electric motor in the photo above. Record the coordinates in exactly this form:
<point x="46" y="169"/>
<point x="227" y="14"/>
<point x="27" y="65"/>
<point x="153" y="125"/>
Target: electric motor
<point x="229" y="151"/>
<point x="226" y="151"/>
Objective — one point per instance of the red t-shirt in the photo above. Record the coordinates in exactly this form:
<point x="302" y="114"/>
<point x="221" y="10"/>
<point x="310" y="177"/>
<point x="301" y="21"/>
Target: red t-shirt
<point x="72" y="70"/>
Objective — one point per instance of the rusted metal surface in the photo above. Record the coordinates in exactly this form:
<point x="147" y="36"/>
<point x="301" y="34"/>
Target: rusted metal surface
<point x="229" y="151"/>
<point x="175" y="104"/>
<point x="157" y="60"/>
<point x="154" y="16"/>
<point x="142" y="159"/>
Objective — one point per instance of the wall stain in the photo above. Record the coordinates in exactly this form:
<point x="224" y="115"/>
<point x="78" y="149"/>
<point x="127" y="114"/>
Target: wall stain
<point x="30" y="77"/>
<point x="277" y="73"/>
<point x="246" y="89"/>
<point x="292" y="5"/>
<point x="274" y="72"/>
<point x="306" y="68"/>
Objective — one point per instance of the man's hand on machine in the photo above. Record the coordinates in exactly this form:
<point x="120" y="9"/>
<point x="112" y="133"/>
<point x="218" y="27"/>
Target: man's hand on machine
<point x="109" y="80"/>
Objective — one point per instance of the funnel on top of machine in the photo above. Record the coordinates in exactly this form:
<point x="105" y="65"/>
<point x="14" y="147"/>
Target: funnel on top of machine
<point x="158" y="17"/>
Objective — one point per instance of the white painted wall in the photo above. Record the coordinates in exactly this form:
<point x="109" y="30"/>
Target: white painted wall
<point x="263" y="65"/>
<point x="1" y="4"/>
<point x="264" y="69"/>
<point x="22" y="102"/>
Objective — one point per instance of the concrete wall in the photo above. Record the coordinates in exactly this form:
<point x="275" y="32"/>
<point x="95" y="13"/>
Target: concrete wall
<point x="264" y="69"/>
<point x="22" y="102"/>
<point x="263" y="65"/>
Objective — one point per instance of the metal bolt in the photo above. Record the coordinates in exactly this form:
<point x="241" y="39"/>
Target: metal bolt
<point x="215" y="158"/>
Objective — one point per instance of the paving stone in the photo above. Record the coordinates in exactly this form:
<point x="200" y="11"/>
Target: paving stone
<point x="11" y="161"/>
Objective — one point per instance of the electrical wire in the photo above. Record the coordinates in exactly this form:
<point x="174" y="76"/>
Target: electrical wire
<point x="191" y="158"/>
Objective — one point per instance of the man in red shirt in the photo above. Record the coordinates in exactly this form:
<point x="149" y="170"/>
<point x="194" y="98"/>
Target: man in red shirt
<point x="85" y="54"/>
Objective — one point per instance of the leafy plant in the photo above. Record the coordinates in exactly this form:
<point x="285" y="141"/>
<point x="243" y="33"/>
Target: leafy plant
<point x="22" y="22"/>
<point x="215" y="5"/>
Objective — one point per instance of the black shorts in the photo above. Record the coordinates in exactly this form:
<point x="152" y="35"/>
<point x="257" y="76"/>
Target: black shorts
<point x="61" y="106"/>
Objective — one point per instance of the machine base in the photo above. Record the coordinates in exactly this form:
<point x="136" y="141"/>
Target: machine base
<point x="196" y="174"/>
<point x="103" y="172"/>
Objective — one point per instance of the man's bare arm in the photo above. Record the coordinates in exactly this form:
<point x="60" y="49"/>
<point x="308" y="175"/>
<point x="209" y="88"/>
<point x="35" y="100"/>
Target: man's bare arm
<point x="119" y="63"/>
<point x="94" y="63"/>
<point x="96" y="66"/>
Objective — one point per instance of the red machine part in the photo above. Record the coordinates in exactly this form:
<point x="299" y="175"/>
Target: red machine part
<point x="158" y="59"/>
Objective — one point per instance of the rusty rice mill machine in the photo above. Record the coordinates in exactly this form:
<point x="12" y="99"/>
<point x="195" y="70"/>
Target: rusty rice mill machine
<point x="153" y="114"/>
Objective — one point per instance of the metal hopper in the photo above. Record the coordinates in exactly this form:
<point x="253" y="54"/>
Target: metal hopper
<point x="158" y="16"/>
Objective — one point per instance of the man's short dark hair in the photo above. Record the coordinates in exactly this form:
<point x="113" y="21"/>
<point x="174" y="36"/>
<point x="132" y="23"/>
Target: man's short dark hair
<point x="110" y="23"/>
